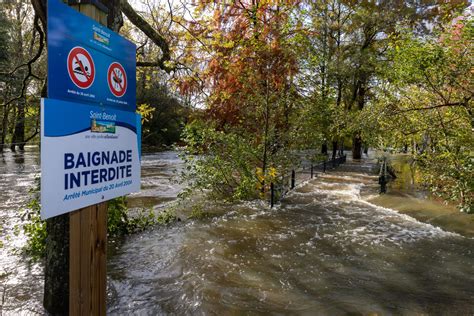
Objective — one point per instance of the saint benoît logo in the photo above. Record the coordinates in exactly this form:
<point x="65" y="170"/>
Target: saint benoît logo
<point x="102" y="122"/>
<point x="100" y="35"/>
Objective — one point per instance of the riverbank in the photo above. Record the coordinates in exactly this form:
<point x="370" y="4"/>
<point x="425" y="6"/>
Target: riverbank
<point x="404" y="196"/>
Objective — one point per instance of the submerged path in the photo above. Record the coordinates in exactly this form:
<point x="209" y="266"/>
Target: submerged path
<point x="323" y="250"/>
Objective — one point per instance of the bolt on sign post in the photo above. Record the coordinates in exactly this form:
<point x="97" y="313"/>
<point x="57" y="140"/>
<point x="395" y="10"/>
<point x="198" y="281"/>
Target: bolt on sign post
<point x="90" y="139"/>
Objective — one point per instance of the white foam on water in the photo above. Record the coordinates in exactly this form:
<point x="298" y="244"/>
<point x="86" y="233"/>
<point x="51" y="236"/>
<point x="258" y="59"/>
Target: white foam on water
<point x="362" y="222"/>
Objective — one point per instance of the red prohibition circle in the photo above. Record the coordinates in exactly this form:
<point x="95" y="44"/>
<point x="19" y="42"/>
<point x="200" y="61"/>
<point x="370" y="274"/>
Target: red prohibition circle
<point x="117" y="79"/>
<point x="80" y="67"/>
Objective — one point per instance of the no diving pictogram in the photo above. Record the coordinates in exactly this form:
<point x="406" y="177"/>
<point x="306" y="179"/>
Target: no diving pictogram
<point x="117" y="79"/>
<point x="80" y="67"/>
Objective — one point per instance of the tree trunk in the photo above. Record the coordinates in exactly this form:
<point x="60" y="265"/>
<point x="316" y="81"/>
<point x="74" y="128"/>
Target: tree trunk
<point x="19" y="132"/>
<point x="56" y="272"/>
<point x="11" y="130"/>
<point x="334" y="149"/>
<point x="4" y="127"/>
<point x="357" y="146"/>
<point x="324" y="148"/>
<point x="265" y="133"/>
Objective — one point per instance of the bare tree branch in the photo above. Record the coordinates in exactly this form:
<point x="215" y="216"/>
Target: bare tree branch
<point x="437" y="106"/>
<point x="40" y="11"/>
<point x="30" y="63"/>
<point x="157" y="38"/>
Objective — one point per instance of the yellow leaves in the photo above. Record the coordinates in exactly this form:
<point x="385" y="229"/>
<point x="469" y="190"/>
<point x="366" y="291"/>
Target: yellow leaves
<point x="272" y="173"/>
<point x="146" y="111"/>
<point x="229" y="44"/>
<point x="260" y="175"/>
<point x="264" y="180"/>
<point x="277" y="3"/>
<point x="269" y="176"/>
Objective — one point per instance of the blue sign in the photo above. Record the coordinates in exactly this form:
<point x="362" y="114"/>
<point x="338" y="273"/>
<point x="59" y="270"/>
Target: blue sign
<point x="87" y="62"/>
<point x="92" y="158"/>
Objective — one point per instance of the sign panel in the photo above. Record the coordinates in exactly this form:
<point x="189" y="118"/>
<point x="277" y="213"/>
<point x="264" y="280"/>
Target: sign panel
<point x="80" y="67"/>
<point x="117" y="80"/>
<point x="87" y="62"/>
<point x="92" y="158"/>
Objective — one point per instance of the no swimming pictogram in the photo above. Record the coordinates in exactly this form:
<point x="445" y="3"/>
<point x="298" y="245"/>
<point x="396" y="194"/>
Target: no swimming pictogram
<point x="117" y="79"/>
<point x="80" y="67"/>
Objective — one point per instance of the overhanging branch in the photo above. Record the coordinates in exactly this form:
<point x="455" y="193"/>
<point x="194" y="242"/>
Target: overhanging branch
<point x="30" y="63"/>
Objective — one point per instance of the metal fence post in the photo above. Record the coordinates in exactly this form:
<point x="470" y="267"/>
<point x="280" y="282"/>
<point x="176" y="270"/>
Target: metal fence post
<point x="383" y="184"/>
<point x="293" y="176"/>
<point x="311" y="171"/>
<point x="272" y="194"/>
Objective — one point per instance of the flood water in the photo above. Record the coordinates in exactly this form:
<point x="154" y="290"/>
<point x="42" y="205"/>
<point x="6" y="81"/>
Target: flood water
<point x="324" y="250"/>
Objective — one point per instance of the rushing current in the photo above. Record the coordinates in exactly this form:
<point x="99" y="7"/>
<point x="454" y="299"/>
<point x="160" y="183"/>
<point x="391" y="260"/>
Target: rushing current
<point x="324" y="250"/>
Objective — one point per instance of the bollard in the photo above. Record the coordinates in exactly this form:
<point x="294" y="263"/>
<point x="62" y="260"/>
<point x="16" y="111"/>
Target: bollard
<point x="311" y="171"/>
<point x="272" y="194"/>
<point x="293" y="176"/>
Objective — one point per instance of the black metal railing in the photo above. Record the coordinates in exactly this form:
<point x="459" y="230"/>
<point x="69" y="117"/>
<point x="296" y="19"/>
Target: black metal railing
<point x="287" y="182"/>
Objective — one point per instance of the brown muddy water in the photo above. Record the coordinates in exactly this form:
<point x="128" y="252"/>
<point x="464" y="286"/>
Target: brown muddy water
<point x="325" y="250"/>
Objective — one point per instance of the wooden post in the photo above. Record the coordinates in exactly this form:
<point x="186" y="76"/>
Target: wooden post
<point x="88" y="233"/>
<point x="87" y="260"/>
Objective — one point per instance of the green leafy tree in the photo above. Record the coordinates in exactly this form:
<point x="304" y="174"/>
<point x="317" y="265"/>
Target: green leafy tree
<point x="427" y="103"/>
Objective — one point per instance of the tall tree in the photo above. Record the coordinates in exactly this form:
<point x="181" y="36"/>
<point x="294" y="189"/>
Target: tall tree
<point x="5" y="61"/>
<point x="248" y="69"/>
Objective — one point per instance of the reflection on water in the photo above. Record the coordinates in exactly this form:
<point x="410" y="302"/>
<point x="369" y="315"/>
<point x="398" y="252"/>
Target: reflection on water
<point x="324" y="250"/>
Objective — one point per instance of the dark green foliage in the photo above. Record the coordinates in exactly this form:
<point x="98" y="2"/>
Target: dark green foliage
<point x="120" y="223"/>
<point x="199" y="213"/>
<point x="117" y="218"/>
<point x="166" y="121"/>
<point x="35" y="230"/>
<point x="165" y="217"/>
